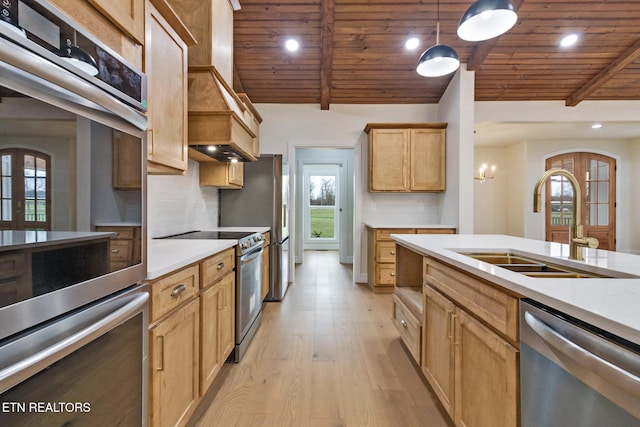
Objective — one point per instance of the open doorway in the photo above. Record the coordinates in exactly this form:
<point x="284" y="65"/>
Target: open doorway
<point x="324" y="199"/>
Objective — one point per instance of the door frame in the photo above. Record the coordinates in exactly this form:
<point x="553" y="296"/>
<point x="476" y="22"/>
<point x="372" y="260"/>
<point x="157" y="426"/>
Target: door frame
<point x="296" y="252"/>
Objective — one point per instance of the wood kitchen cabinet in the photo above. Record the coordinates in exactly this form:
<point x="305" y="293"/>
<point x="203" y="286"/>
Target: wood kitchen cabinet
<point x="406" y="157"/>
<point x="470" y="346"/>
<point x="217" y="315"/>
<point x="165" y="63"/>
<point x="124" y="247"/>
<point x="174" y="347"/>
<point x="222" y="174"/>
<point x="128" y="15"/>
<point x="173" y="365"/>
<point x="381" y="254"/>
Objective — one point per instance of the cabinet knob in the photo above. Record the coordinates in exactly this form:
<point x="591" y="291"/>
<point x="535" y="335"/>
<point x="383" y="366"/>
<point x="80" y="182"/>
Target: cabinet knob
<point x="403" y="323"/>
<point x="392" y="252"/>
<point x="221" y="266"/>
<point x="392" y="274"/>
<point x="178" y="290"/>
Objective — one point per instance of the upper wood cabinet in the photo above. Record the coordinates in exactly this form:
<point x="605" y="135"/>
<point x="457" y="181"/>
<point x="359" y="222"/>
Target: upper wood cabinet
<point x="128" y="15"/>
<point x="222" y="174"/>
<point x="165" y="63"/>
<point x="407" y="157"/>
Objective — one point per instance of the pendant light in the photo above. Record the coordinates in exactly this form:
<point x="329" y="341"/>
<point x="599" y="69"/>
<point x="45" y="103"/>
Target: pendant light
<point x="486" y="19"/>
<point x="438" y="60"/>
<point x="78" y="56"/>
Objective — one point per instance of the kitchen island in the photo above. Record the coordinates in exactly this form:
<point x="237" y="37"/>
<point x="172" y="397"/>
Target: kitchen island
<point x="462" y="323"/>
<point x="608" y="303"/>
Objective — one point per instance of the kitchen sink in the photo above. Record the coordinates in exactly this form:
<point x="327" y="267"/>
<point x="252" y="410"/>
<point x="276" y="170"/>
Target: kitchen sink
<point x="533" y="267"/>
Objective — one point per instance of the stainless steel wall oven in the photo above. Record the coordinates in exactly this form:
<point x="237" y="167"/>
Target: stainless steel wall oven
<point x="70" y="110"/>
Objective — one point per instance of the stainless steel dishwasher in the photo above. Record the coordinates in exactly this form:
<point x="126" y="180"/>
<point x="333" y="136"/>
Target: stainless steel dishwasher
<point x="574" y="374"/>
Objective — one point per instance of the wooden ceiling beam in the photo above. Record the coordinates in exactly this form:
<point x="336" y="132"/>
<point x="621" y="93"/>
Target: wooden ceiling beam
<point x="628" y="57"/>
<point x="484" y="48"/>
<point x="327" y="20"/>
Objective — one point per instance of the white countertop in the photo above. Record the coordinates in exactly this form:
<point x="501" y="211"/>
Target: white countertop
<point x="14" y="239"/>
<point x="610" y="304"/>
<point x="407" y="225"/>
<point x="167" y="255"/>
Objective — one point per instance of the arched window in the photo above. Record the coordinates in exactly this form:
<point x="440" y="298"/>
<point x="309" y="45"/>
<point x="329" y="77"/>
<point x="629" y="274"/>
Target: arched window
<point x="25" y="193"/>
<point x="597" y="177"/>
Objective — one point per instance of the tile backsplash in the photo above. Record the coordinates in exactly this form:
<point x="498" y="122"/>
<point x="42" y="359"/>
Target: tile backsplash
<point x="177" y="203"/>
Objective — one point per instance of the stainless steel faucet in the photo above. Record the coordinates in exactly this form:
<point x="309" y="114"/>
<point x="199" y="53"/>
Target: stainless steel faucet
<point x="577" y="241"/>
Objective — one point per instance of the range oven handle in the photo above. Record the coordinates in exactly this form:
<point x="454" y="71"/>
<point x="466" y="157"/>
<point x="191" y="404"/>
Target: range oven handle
<point x="251" y="255"/>
<point x="32" y="364"/>
<point x="596" y="364"/>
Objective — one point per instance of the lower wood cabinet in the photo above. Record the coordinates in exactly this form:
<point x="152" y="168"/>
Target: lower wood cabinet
<point x="191" y="334"/>
<point x="472" y="366"/>
<point x="173" y="365"/>
<point x="216" y="328"/>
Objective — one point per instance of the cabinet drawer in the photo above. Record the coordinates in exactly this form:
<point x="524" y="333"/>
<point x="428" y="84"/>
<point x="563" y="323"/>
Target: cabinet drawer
<point x="12" y="265"/>
<point x="121" y="232"/>
<point x="121" y="250"/>
<point x="216" y="267"/>
<point x="171" y="291"/>
<point x="408" y="327"/>
<point x="385" y="274"/>
<point x="385" y="233"/>
<point x="386" y="252"/>
<point x="436" y="231"/>
<point x="497" y="308"/>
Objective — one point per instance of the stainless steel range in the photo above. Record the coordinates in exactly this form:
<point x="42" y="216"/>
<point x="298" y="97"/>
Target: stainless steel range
<point x="248" y="282"/>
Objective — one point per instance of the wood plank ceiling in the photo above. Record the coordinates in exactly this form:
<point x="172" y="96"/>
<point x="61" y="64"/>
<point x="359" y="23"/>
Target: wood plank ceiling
<point x="352" y="51"/>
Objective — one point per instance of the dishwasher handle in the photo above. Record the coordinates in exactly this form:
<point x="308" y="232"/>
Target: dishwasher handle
<point x="596" y="364"/>
<point x="25" y="368"/>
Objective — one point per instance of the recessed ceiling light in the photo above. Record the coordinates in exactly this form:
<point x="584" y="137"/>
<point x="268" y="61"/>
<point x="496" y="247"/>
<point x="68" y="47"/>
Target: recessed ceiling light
<point x="292" y="45"/>
<point x="596" y="126"/>
<point x="569" y="40"/>
<point x="211" y="148"/>
<point x="412" y="43"/>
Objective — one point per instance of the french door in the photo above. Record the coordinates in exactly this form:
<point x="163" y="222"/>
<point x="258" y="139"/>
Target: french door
<point x="25" y="199"/>
<point x="597" y="177"/>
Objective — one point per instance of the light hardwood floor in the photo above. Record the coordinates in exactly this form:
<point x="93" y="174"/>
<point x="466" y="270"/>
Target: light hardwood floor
<point x="328" y="355"/>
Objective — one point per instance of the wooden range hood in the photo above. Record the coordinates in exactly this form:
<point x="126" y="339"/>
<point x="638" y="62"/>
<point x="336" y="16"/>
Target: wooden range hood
<point x="218" y="117"/>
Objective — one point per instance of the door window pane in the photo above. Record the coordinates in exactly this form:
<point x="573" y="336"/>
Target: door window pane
<point x="322" y="210"/>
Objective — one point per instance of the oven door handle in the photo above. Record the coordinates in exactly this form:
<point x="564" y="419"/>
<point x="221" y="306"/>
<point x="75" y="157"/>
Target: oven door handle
<point x="596" y="364"/>
<point x="251" y="255"/>
<point x="32" y="364"/>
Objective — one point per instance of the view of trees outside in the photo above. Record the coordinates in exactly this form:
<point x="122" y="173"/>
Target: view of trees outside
<point x="322" y="201"/>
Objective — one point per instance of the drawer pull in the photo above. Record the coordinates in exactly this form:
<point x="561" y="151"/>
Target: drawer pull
<point x="115" y="251"/>
<point x="178" y="290"/>
<point x="392" y="274"/>
<point x="221" y="266"/>
<point x="392" y="252"/>
<point x="403" y="323"/>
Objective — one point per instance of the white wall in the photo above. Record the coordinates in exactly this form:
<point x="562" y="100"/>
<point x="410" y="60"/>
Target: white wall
<point x="510" y="196"/>
<point x="286" y="127"/>
<point x="457" y="109"/>
<point x="177" y="203"/>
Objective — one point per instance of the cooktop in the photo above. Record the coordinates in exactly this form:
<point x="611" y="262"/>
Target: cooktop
<point x="234" y="235"/>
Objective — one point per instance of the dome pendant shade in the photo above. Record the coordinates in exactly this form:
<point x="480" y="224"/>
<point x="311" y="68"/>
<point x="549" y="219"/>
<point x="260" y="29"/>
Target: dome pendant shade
<point x="438" y="60"/>
<point x="486" y="19"/>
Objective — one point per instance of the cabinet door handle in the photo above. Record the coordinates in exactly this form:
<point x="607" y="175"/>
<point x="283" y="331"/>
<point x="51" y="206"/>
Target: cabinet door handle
<point x="392" y="274"/>
<point x="115" y="251"/>
<point x="178" y="290"/>
<point x="221" y="266"/>
<point x="453" y="329"/>
<point x="404" y="324"/>
<point x="160" y="353"/>
<point x="449" y="324"/>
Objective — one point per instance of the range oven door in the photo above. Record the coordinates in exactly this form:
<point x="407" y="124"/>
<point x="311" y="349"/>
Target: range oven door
<point x="573" y="374"/>
<point x="87" y="369"/>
